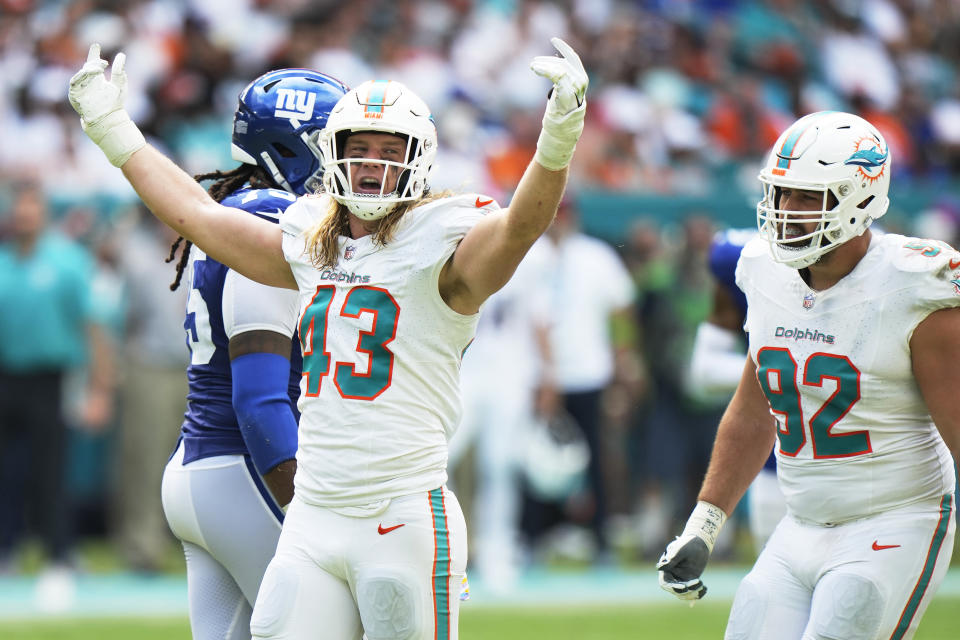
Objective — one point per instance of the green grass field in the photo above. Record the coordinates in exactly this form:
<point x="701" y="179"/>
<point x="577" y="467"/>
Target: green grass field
<point x="673" y="620"/>
<point x="555" y="603"/>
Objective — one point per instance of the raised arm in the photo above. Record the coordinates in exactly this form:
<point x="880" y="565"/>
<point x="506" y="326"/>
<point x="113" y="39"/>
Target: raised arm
<point x="245" y="243"/>
<point x="491" y="251"/>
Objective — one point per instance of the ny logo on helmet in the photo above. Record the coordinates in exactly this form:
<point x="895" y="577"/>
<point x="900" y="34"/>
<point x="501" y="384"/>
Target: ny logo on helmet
<point x="296" y="104"/>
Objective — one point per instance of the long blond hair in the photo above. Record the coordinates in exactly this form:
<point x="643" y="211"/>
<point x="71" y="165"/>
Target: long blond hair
<point x="323" y="238"/>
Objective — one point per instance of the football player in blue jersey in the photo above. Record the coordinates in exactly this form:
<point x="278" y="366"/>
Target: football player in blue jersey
<point x="719" y="352"/>
<point x="225" y="487"/>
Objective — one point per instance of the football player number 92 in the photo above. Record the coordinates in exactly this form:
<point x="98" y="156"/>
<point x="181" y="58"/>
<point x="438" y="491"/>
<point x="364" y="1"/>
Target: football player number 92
<point x="372" y="343"/>
<point x="779" y="365"/>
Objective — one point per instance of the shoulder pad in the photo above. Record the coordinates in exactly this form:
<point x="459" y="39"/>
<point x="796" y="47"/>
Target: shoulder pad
<point x="267" y="203"/>
<point x="305" y="213"/>
<point x="467" y="201"/>
<point x="755" y="248"/>
<point x="921" y="254"/>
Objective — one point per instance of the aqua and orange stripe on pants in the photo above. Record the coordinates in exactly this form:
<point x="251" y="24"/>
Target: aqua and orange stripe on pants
<point x="933" y="551"/>
<point x="441" y="566"/>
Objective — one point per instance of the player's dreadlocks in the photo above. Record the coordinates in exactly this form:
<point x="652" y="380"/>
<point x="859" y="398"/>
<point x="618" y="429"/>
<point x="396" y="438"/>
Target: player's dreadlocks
<point x="226" y="183"/>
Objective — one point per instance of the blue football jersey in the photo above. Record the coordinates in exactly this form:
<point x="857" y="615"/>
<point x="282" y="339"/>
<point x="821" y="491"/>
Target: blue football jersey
<point x="724" y="253"/>
<point x="210" y="426"/>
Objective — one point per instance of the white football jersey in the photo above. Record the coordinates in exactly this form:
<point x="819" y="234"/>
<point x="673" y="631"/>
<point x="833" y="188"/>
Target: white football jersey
<point x="380" y="395"/>
<point x="854" y="435"/>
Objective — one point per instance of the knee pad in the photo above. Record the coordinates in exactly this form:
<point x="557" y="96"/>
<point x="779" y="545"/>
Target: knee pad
<point x="748" y="611"/>
<point x="388" y="608"/>
<point x="275" y="600"/>
<point x="846" y="607"/>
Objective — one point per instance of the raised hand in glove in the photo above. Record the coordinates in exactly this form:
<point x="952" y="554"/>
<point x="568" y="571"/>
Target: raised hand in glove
<point x="684" y="560"/>
<point x="100" y="105"/>
<point x="566" y="107"/>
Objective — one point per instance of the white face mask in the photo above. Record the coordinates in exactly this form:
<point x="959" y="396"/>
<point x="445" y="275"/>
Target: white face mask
<point x="378" y="107"/>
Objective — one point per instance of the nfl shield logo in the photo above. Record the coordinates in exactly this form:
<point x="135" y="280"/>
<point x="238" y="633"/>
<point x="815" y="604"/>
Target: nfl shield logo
<point x="348" y="252"/>
<point x="808" y="301"/>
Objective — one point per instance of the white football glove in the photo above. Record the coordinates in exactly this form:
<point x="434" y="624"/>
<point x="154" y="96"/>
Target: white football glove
<point x="563" y="119"/>
<point x="100" y="105"/>
<point x="684" y="560"/>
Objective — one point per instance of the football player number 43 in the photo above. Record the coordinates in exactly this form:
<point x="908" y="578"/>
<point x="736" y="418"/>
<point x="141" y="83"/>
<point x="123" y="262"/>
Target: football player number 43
<point x="373" y="343"/>
<point x="778" y="376"/>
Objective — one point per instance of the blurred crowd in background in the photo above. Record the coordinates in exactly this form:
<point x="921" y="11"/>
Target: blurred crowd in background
<point x="680" y="92"/>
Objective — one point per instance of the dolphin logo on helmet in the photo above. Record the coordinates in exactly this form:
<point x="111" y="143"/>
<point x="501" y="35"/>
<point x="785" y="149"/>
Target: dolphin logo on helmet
<point x="868" y="158"/>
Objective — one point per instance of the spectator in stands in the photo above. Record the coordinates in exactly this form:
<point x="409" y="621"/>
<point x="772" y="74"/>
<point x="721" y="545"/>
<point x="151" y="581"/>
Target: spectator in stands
<point x="46" y="330"/>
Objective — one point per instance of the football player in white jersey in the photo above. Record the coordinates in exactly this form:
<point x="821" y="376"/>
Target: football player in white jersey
<point x="390" y="279"/>
<point x="853" y="343"/>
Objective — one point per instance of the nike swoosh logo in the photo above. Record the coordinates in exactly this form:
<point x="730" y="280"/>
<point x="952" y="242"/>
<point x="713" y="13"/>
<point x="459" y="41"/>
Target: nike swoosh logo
<point x="382" y="530"/>
<point x="482" y="203"/>
<point x="881" y="547"/>
<point x="954" y="263"/>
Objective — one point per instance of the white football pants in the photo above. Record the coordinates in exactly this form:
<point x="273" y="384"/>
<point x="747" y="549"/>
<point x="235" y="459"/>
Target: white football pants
<point x="868" y="579"/>
<point x="229" y="526"/>
<point x="392" y="571"/>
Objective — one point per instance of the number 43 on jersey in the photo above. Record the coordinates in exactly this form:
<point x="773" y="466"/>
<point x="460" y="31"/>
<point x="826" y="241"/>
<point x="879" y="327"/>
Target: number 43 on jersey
<point x="321" y="314"/>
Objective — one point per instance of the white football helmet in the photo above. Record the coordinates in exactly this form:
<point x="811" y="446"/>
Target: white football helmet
<point x="555" y="456"/>
<point x="836" y="153"/>
<point x="381" y="106"/>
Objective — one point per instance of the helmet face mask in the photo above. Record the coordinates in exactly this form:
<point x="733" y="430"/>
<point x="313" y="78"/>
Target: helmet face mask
<point x="276" y="122"/>
<point x="378" y="107"/>
<point x="839" y="155"/>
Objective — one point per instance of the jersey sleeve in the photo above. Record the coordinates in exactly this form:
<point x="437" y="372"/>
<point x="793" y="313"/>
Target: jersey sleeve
<point x="251" y="306"/>
<point x="444" y="224"/>
<point x="944" y="292"/>
<point x="296" y="222"/>
<point x="933" y="269"/>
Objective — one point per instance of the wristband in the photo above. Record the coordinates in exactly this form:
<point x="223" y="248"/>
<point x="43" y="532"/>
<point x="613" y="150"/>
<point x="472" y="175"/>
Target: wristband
<point x="558" y="137"/>
<point x="116" y="135"/>
<point x="705" y="523"/>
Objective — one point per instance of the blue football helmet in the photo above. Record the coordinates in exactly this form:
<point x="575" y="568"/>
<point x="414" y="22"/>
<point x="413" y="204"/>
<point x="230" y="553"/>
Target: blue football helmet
<point x="276" y="121"/>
